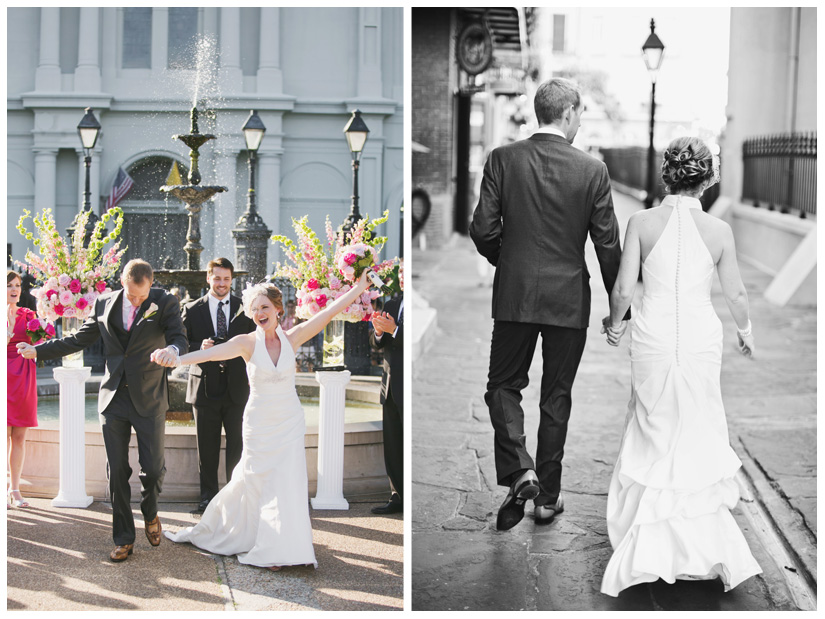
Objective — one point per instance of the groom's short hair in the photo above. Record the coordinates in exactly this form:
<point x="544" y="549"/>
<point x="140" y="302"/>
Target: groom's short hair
<point x="138" y="271"/>
<point x="553" y="97"/>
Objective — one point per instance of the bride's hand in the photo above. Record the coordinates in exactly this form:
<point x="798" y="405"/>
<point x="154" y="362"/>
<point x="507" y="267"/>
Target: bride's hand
<point x="614" y="334"/>
<point x="745" y="344"/>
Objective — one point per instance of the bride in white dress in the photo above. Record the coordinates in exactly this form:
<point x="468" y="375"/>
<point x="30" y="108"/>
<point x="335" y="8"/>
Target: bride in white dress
<point x="669" y="502"/>
<point x="262" y="514"/>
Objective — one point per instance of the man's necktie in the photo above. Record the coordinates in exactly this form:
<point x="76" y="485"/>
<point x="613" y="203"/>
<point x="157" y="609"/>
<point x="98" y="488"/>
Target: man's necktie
<point x="132" y="318"/>
<point x="221" y="321"/>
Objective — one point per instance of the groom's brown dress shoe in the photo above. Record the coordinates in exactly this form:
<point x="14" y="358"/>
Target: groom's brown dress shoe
<point x="544" y="514"/>
<point x="512" y="510"/>
<point x="121" y="553"/>
<point x="153" y="531"/>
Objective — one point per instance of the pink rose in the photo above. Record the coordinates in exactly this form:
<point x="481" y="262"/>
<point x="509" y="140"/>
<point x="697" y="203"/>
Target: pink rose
<point x="33" y="325"/>
<point x="334" y="282"/>
<point x="63" y="279"/>
<point x="321" y="300"/>
<point x="59" y="309"/>
<point x="74" y="286"/>
<point x="348" y="273"/>
<point x="312" y="284"/>
<point x="50" y="293"/>
<point x="82" y="303"/>
<point x="65" y="297"/>
<point x="100" y="286"/>
<point x="50" y="330"/>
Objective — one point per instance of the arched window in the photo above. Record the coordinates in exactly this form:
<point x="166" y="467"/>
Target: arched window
<point x="154" y="226"/>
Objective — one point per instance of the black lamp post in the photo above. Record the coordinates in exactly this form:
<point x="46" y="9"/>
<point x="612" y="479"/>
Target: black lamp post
<point x="251" y="234"/>
<point x="253" y="133"/>
<point x="88" y="129"/>
<point x="653" y="50"/>
<point x="356" y="132"/>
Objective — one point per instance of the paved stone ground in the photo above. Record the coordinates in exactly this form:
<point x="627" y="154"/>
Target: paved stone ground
<point x="57" y="559"/>
<point x="459" y="560"/>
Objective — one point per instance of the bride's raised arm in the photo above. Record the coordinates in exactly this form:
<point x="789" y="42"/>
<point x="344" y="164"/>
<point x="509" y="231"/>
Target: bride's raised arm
<point x="307" y="330"/>
<point x="239" y="346"/>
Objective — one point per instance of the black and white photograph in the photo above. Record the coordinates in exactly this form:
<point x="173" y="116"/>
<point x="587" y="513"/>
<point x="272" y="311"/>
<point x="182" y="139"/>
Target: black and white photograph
<point x="613" y="295"/>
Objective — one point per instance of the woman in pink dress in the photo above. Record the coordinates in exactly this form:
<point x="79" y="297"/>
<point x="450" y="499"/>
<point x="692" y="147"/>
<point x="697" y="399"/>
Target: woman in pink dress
<point x="21" y="387"/>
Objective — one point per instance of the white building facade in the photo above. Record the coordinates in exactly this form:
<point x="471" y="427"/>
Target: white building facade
<point x="303" y="69"/>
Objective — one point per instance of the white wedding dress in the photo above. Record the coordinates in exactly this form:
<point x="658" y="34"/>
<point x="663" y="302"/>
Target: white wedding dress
<point x="262" y="514"/>
<point x="668" y="507"/>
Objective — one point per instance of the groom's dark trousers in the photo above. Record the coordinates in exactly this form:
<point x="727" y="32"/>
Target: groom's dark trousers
<point x="540" y="199"/>
<point x="133" y="394"/>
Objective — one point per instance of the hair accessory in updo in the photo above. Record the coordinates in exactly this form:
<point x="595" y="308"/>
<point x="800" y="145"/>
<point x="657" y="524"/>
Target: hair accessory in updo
<point x="263" y="289"/>
<point x="687" y="163"/>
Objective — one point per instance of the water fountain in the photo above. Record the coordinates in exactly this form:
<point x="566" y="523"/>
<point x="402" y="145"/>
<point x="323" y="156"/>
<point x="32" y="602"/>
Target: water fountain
<point x="193" y="195"/>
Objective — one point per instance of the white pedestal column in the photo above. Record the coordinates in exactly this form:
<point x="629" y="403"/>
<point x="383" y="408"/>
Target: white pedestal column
<point x="330" y="492"/>
<point x="72" y="437"/>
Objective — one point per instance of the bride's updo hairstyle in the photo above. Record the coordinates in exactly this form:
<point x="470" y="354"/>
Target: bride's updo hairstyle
<point x="687" y="164"/>
<point x="271" y="291"/>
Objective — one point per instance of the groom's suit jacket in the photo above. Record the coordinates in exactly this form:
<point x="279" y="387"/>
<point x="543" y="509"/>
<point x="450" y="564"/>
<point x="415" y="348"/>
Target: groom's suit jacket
<point x="392" y="379"/>
<point x="127" y="352"/>
<point x="540" y="197"/>
<point x="205" y="380"/>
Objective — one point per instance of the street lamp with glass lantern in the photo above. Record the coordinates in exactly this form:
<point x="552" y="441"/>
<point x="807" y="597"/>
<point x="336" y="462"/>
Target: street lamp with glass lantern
<point x="356" y="132"/>
<point x="88" y="129"/>
<point x="250" y="233"/>
<point x="253" y="133"/>
<point x="653" y="51"/>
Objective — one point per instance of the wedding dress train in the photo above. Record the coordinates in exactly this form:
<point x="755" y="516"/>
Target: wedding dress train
<point x="669" y="502"/>
<point x="262" y="514"/>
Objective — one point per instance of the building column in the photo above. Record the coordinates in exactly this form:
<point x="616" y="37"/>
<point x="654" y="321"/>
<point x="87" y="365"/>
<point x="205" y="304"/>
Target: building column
<point x="231" y="75"/>
<point x="226" y="207"/>
<point x="160" y="39"/>
<point x="270" y="76"/>
<point x="94" y="180"/>
<point x="269" y="188"/>
<point x="87" y="73"/>
<point x="45" y="178"/>
<point x="47" y="77"/>
<point x="369" y="52"/>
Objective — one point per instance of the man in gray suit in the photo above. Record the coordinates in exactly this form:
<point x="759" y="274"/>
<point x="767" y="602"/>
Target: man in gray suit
<point x="132" y="322"/>
<point x="540" y="197"/>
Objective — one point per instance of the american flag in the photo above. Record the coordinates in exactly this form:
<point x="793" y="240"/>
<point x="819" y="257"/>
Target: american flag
<point x="123" y="183"/>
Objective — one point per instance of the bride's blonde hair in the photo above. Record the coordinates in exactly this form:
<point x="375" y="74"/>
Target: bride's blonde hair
<point x="270" y="291"/>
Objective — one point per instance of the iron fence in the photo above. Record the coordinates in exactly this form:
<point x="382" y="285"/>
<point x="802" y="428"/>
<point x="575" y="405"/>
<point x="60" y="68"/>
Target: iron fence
<point x="780" y="172"/>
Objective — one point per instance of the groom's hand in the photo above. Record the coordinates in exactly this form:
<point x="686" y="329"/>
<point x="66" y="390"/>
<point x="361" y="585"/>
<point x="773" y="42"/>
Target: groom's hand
<point x="167" y="357"/>
<point x="614" y="334"/>
<point x="382" y="322"/>
<point x="27" y="351"/>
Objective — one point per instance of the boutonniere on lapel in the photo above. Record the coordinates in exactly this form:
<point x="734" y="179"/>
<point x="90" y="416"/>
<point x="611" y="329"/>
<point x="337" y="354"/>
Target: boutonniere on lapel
<point x="238" y="313"/>
<point x="150" y="311"/>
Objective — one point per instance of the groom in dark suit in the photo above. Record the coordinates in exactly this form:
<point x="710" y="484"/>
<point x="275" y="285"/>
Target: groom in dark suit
<point x="540" y="197"/>
<point x="133" y="322"/>
<point x="388" y="335"/>
<point x="217" y="390"/>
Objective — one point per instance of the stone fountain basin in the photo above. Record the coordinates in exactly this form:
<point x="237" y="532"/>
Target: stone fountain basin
<point x="364" y="471"/>
<point x="193" y="194"/>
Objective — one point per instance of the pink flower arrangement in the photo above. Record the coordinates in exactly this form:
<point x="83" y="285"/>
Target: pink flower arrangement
<point x="322" y="272"/>
<point x="71" y="276"/>
<point x="38" y="329"/>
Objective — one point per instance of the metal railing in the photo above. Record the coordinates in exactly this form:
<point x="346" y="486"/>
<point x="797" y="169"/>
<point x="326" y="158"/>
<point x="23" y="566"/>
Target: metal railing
<point x="627" y="165"/>
<point x="780" y="172"/>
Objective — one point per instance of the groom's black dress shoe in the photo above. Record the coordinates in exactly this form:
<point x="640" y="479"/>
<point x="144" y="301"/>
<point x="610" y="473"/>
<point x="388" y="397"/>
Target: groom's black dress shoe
<point x="544" y="514"/>
<point x="393" y="506"/>
<point x="512" y="510"/>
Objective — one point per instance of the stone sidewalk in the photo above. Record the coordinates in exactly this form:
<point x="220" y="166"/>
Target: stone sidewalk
<point x="57" y="559"/>
<point x="459" y="560"/>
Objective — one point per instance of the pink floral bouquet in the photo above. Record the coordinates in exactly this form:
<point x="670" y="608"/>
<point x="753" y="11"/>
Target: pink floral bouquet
<point x="38" y="329"/>
<point x="323" y="272"/>
<point x="73" y="277"/>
